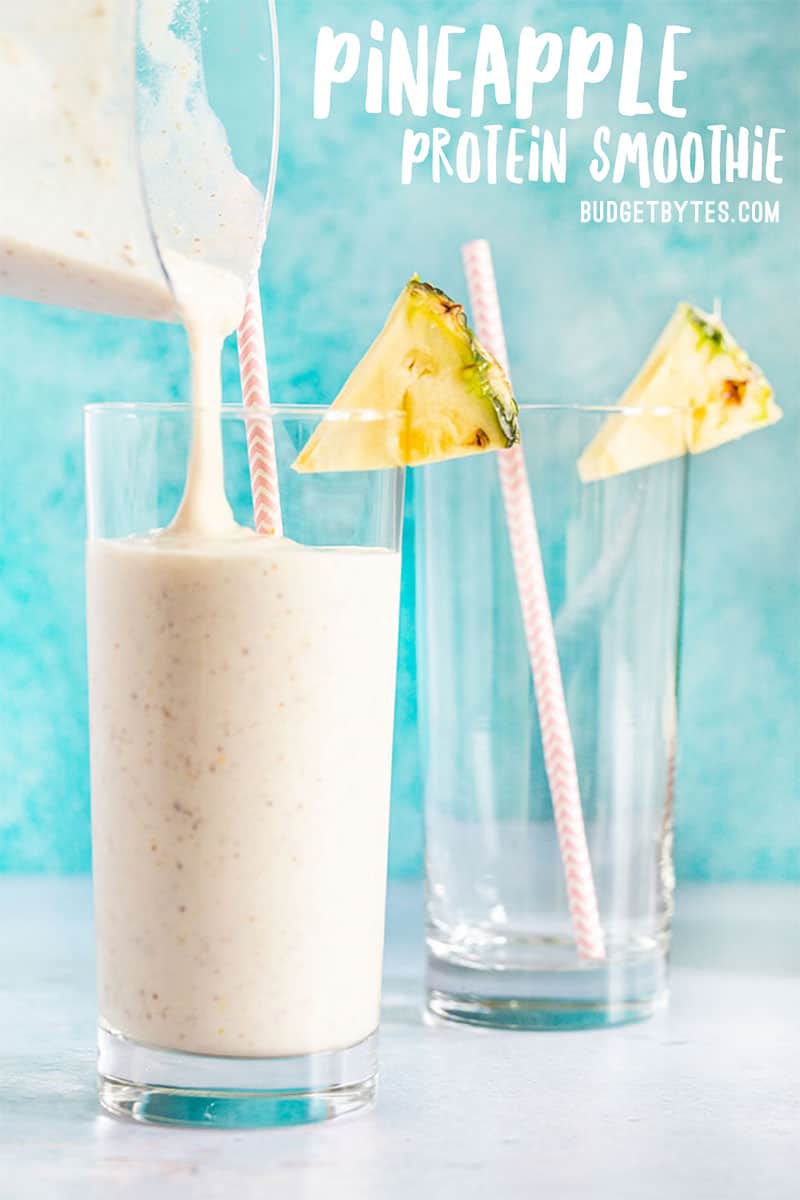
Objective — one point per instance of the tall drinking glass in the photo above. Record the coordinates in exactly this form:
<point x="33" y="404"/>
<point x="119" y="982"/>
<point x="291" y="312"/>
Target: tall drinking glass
<point x="241" y="697"/>
<point x="501" y="947"/>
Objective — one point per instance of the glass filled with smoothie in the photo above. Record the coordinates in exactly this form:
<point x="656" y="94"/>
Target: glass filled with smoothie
<point x="241" y="701"/>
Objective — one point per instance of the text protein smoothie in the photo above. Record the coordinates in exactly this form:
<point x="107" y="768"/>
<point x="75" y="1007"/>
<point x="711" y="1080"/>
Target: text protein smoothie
<point x="242" y="698"/>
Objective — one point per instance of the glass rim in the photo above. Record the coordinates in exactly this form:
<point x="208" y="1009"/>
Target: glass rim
<point x="292" y="412"/>
<point x="280" y="411"/>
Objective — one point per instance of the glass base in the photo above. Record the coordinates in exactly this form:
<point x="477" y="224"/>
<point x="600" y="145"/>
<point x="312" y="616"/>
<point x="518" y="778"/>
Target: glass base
<point x="588" y="996"/>
<point x="166" y="1087"/>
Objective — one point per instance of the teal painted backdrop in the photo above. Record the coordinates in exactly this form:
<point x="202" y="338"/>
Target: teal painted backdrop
<point x="582" y="306"/>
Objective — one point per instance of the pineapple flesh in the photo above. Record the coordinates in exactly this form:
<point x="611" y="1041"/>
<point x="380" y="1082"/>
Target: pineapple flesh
<point x="697" y="390"/>
<point x="425" y="391"/>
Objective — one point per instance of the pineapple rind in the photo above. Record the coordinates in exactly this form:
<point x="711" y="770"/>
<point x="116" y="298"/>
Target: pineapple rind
<point x="492" y="382"/>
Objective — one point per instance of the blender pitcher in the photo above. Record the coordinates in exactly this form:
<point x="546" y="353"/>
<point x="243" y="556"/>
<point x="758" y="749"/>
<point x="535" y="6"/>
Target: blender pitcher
<point x="121" y="191"/>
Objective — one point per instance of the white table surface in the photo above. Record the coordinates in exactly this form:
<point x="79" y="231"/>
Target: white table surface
<point x="702" y="1103"/>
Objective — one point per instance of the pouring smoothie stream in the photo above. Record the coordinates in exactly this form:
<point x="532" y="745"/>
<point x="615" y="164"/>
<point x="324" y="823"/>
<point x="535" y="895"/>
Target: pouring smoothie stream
<point x="242" y="692"/>
<point x="241" y="686"/>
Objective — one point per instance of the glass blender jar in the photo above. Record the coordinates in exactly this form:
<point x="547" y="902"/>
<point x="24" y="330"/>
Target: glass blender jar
<point x="128" y="174"/>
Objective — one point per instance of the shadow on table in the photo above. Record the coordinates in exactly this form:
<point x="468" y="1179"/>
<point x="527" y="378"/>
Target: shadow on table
<point x="45" y="1092"/>
<point x="742" y="929"/>
<point x="403" y="1002"/>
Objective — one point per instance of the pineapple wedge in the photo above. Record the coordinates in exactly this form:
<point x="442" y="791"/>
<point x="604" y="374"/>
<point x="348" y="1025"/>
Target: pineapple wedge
<point x="697" y="390"/>
<point x="425" y="391"/>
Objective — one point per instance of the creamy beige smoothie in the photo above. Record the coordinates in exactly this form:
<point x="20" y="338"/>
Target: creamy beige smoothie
<point x="241" y="688"/>
<point x="242" y="695"/>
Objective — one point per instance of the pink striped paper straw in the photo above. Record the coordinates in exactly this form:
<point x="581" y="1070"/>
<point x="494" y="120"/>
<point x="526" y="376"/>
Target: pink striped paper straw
<point x="559" y="753"/>
<point x="260" y="437"/>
